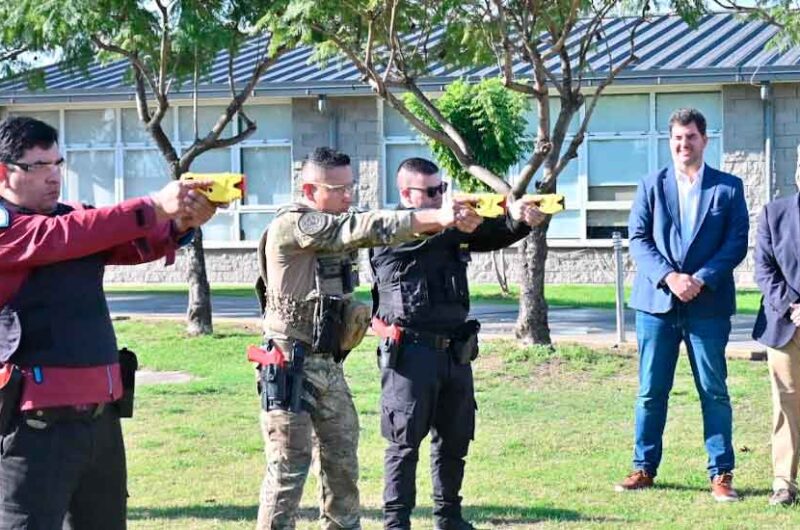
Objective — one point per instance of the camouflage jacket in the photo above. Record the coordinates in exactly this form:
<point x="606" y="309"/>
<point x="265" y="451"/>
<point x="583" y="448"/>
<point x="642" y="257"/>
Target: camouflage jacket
<point x="297" y="239"/>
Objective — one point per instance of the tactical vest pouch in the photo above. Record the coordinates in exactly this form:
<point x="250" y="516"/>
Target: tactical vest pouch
<point x="128" y="364"/>
<point x="464" y="346"/>
<point x="356" y="316"/>
<point x="10" y="393"/>
<point x="328" y="325"/>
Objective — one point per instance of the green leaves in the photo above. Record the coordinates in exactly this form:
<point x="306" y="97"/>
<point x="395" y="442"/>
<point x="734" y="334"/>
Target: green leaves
<point x="491" y="120"/>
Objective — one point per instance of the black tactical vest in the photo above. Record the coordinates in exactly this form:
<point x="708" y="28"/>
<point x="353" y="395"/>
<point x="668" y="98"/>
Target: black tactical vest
<point x="64" y="316"/>
<point x="423" y="284"/>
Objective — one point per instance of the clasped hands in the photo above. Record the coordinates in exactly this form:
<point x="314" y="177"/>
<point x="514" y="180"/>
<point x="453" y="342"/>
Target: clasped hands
<point x="685" y="286"/>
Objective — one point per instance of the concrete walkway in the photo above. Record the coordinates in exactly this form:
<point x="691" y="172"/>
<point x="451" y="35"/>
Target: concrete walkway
<point x="590" y="326"/>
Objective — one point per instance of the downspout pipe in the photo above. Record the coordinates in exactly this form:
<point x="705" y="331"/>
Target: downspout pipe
<point x="769" y="140"/>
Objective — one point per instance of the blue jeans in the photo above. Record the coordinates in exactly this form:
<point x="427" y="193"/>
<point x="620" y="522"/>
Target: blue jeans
<point x="659" y="338"/>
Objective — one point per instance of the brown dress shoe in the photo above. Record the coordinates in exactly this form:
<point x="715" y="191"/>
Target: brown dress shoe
<point x="722" y="488"/>
<point x="639" y="479"/>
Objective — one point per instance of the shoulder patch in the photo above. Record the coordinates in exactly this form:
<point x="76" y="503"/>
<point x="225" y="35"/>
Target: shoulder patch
<point x="312" y="223"/>
<point x="5" y="217"/>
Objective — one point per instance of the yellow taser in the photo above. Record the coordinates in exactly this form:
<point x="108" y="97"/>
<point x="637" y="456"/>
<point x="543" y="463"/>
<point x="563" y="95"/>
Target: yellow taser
<point x="226" y="187"/>
<point x="494" y="204"/>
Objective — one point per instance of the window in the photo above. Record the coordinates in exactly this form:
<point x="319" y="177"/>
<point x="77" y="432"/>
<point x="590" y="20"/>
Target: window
<point x="627" y="138"/>
<point x="89" y="142"/>
<point x="110" y="156"/>
<point x="400" y="141"/>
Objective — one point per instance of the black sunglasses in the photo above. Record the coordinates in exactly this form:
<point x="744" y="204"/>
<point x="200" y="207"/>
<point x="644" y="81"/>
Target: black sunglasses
<point x="432" y="191"/>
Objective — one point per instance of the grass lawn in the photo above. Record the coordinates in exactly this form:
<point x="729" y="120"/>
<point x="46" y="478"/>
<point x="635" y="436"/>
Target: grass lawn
<point x="554" y="434"/>
<point x="601" y="296"/>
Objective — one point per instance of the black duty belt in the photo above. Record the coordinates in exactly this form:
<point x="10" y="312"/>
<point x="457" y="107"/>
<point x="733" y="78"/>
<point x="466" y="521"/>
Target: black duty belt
<point x="432" y="340"/>
<point x="42" y="418"/>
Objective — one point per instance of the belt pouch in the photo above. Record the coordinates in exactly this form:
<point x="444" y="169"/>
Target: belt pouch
<point x="10" y="394"/>
<point x="128" y="364"/>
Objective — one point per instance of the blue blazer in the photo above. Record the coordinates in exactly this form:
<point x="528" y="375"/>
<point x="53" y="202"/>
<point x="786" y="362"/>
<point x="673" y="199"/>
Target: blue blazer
<point x="718" y="244"/>
<point x="777" y="260"/>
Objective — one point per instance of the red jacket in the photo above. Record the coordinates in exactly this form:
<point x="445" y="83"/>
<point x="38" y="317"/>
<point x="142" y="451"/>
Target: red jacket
<point x="127" y="232"/>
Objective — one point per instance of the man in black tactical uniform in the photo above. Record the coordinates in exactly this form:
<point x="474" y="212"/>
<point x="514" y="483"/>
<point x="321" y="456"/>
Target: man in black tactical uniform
<point x="421" y="301"/>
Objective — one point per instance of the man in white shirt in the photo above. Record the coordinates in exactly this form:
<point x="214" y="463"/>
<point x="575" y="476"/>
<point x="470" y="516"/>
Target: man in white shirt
<point x="688" y="231"/>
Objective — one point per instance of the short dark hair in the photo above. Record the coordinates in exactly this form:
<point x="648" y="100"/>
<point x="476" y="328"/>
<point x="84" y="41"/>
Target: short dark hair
<point x="20" y="133"/>
<point x="327" y="158"/>
<point x="685" y="116"/>
<point x="418" y="165"/>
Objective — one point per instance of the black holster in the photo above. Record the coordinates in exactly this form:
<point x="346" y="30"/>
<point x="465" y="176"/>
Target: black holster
<point x="328" y="326"/>
<point x="128" y="364"/>
<point x="10" y="394"/>
<point x="281" y="385"/>
<point x="274" y="383"/>
<point x="388" y="353"/>
<point x="464" y="345"/>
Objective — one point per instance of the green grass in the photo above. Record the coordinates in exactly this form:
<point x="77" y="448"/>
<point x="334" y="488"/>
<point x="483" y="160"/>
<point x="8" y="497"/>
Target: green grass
<point x="554" y="434"/>
<point x="561" y="295"/>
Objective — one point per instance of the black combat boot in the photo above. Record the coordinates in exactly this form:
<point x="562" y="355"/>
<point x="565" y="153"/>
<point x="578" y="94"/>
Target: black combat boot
<point x="441" y="523"/>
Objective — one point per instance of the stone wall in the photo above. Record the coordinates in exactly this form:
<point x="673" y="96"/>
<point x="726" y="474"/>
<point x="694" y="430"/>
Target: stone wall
<point x="787" y="137"/>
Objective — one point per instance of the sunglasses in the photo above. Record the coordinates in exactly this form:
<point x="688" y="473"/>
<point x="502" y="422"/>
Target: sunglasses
<point x="432" y="191"/>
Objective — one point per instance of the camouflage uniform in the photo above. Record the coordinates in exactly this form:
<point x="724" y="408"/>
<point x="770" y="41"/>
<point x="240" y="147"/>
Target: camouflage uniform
<point x="295" y="240"/>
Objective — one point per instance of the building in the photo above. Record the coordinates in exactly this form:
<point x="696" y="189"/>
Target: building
<point x="747" y="90"/>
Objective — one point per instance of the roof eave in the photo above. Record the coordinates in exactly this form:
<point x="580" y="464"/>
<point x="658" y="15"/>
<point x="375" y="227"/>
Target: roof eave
<point x="354" y="88"/>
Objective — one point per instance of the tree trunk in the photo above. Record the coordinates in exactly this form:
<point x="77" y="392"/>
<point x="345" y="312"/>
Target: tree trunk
<point x="532" y="326"/>
<point x="198" y="314"/>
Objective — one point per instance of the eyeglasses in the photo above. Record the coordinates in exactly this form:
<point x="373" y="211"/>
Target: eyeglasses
<point x="37" y="167"/>
<point x="432" y="191"/>
<point x="337" y="188"/>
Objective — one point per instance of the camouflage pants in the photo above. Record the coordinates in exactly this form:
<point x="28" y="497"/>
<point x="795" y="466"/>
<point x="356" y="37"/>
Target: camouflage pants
<point x="288" y="439"/>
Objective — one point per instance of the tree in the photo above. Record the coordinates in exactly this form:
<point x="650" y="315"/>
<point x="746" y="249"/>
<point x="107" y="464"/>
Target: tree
<point x="395" y="44"/>
<point x="166" y="43"/>
<point x="491" y="120"/>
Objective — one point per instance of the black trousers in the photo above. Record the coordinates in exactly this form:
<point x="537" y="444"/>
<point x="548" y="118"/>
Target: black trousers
<point x="68" y="475"/>
<point x="426" y="391"/>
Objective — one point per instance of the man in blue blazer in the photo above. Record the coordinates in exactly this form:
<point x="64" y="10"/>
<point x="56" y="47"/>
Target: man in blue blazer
<point x="777" y="264"/>
<point x="688" y="230"/>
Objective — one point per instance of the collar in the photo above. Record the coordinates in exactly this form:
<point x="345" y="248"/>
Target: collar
<point x="683" y="178"/>
<point x="60" y="209"/>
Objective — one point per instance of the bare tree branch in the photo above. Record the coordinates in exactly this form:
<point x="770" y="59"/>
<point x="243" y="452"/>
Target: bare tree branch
<point x="393" y="45"/>
<point x="135" y="61"/>
<point x="151" y="123"/>
<point x="762" y="13"/>
<point x="232" y="88"/>
<point x="164" y="49"/>
<point x="212" y="140"/>
<point x="10" y="55"/>
<point x="572" y="150"/>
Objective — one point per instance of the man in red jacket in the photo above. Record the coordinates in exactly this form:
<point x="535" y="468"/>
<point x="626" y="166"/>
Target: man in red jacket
<point x="62" y="459"/>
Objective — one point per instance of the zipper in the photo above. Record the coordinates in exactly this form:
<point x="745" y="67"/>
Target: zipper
<point x="110" y="381"/>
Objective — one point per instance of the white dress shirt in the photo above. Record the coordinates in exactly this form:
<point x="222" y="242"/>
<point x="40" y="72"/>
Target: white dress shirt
<point x="688" y="204"/>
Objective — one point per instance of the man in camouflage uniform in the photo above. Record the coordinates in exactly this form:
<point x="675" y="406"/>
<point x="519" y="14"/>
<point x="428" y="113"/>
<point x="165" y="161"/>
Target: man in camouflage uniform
<point x="305" y="240"/>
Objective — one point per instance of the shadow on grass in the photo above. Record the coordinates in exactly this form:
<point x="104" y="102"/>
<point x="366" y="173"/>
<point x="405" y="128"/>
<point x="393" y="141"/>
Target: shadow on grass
<point x="478" y="515"/>
<point x="501" y="516"/>
<point x="743" y="492"/>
